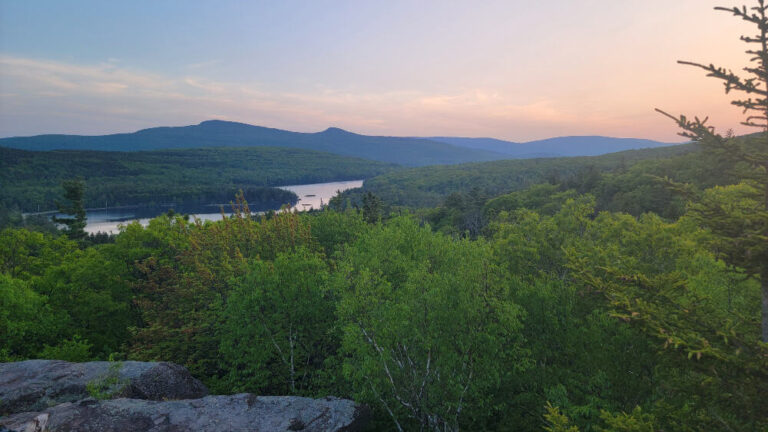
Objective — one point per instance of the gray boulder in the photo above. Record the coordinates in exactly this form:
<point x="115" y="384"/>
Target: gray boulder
<point x="35" y="385"/>
<point x="242" y="412"/>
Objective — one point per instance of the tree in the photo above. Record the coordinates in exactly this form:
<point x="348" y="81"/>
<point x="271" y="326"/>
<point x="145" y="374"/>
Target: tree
<point x="94" y="292"/>
<point x="657" y="277"/>
<point x="73" y="192"/>
<point x="187" y="273"/>
<point x="26" y="320"/>
<point x="278" y="330"/>
<point x="750" y="154"/>
<point x="430" y="336"/>
<point x="372" y="208"/>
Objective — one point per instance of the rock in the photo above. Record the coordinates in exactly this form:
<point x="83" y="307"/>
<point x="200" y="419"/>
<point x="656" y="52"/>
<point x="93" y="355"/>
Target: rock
<point x="139" y="396"/>
<point x="242" y="412"/>
<point x="35" y="385"/>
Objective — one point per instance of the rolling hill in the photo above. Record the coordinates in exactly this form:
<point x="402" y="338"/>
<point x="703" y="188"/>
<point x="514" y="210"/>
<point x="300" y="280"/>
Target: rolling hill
<point x="32" y="180"/>
<point x="216" y="133"/>
<point x="428" y="186"/>
<point x="406" y="151"/>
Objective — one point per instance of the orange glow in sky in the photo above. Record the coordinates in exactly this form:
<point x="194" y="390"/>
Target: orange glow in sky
<point x="505" y="69"/>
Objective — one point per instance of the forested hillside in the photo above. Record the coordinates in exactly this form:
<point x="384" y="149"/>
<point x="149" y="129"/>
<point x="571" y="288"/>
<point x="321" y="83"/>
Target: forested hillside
<point x="428" y="186"/>
<point x="216" y="133"/>
<point x="465" y="198"/>
<point x="32" y="179"/>
<point x="554" y="315"/>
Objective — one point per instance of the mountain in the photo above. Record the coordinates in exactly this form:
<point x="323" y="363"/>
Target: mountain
<point x="401" y="150"/>
<point x="428" y="186"/>
<point x="554" y="147"/>
<point x="32" y="179"/>
<point x="216" y="133"/>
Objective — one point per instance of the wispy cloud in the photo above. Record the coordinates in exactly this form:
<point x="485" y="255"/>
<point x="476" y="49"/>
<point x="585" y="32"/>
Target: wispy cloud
<point x="56" y="97"/>
<point x="61" y="89"/>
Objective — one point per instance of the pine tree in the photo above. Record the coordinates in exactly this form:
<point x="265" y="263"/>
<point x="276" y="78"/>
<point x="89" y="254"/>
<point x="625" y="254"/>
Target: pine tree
<point x="372" y="208"/>
<point x="746" y="248"/>
<point x="73" y="193"/>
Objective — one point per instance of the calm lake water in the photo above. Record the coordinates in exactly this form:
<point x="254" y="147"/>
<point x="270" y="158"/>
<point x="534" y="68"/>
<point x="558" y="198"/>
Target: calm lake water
<point x="311" y="196"/>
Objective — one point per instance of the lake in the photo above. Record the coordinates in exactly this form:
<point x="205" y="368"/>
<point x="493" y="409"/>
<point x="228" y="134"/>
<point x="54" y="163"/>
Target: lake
<point x="311" y="196"/>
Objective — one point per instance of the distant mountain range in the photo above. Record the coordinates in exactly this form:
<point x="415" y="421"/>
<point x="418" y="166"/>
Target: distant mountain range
<point x="554" y="147"/>
<point x="400" y="150"/>
<point x="216" y="133"/>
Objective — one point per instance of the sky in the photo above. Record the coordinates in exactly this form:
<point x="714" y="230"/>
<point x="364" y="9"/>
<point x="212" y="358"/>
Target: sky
<point x="518" y="70"/>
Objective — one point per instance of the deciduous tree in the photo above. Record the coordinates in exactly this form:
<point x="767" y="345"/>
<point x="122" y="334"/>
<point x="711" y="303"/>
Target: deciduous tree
<point x="430" y="333"/>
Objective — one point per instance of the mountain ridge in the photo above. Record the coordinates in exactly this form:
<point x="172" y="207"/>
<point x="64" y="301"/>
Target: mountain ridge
<point x="408" y="151"/>
<point x="219" y="133"/>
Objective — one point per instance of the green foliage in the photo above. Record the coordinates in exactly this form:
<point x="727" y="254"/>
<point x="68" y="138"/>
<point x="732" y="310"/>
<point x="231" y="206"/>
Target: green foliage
<point x="190" y="176"/>
<point x="279" y="329"/>
<point x="662" y="282"/>
<point x="74" y="190"/>
<point x="545" y="199"/>
<point x="109" y="385"/>
<point x="183" y="298"/>
<point x="372" y="208"/>
<point x="530" y="244"/>
<point x="429" y="332"/>
<point x="25" y="254"/>
<point x="26" y="320"/>
<point x="581" y="351"/>
<point x="429" y="186"/>
<point x="557" y="421"/>
<point x="72" y="350"/>
<point x="738" y="216"/>
<point x="633" y="182"/>
<point x="460" y="214"/>
<point x="13" y="218"/>
<point x="10" y="216"/>
<point x="636" y="421"/>
<point x="621" y="322"/>
<point x="332" y="230"/>
<point x="95" y="294"/>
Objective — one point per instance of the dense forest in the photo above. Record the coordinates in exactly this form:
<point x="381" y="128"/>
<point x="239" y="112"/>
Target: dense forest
<point x="464" y="197"/>
<point x="428" y="186"/>
<point x="32" y="180"/>
<point x="551" y="313"/>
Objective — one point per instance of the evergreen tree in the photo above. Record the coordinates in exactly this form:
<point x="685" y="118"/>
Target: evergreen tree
<point x="372" y="208"/>
<point x="73" y="193"/>
<point x="746" y="248"/>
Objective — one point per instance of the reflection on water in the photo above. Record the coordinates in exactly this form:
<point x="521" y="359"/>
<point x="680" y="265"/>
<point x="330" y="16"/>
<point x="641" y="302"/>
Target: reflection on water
<point x="311" y="196"/>
<point x="315" y="196"/>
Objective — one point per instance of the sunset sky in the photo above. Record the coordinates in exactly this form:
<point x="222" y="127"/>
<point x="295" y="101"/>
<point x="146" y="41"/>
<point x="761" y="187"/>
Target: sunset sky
<point x="512" y="69"/>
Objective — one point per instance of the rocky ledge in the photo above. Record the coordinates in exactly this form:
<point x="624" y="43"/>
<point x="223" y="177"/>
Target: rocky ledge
<point x="35" y="385"/>
<point x="242" y="412"/>
<point x="47" y="395"/>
